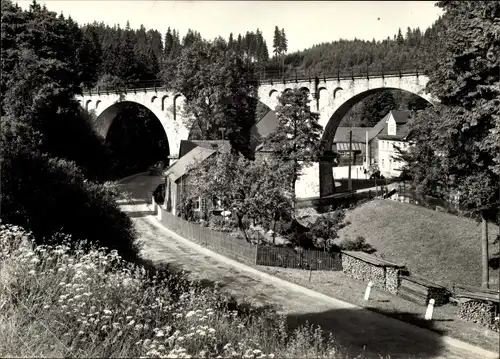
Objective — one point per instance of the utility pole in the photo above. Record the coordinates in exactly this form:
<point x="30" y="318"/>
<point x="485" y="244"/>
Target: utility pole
<point x="222" y="130"/>
<point x="349" y="180"/>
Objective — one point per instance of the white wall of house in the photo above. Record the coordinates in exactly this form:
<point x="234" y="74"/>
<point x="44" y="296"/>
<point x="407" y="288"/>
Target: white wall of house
<point x="387" y="164"/>
<point x="343" y="172"/>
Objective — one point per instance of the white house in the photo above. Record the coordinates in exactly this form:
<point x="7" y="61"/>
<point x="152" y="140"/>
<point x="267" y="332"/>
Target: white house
<point x="395" y="133"/>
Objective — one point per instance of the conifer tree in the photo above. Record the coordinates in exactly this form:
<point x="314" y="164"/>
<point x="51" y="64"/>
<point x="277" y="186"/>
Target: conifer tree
<point x="277" y="43"/>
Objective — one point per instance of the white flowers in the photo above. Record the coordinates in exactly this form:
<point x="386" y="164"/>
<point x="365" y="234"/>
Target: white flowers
<point x="190" y="314"/>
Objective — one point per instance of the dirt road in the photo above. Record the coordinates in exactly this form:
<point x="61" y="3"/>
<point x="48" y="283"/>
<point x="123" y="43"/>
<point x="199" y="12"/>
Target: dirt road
<point x="360" y="330"/>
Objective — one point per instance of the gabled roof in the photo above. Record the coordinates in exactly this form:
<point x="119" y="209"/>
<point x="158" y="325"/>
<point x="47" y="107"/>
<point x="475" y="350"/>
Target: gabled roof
<point x="263" y="128"/>
<point x="401" y="117"/>
<point x="379" y="127"/>
<point x="358" y="134"/>
<point x="181" y="166"/>
<point x="188" y="145"/>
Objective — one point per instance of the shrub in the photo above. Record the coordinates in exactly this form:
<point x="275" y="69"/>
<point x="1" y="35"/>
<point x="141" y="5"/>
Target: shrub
<point x="48" y="195"/>
<point x="325" y="229"/>
<point x="93" y="304"/>
<point x="358" y="244"/>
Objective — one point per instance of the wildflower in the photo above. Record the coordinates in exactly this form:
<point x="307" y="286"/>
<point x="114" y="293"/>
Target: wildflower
<point x="107" y="312"/>
<point x="270" y="356"/>
<point x="190" y="314"/>
<point x="160" y="333"/>
<point x="35" y="260"/>
<point x="211" y="330"/>
<point x="227" y="346"/>
<point x="32" y="272"/>
<point x="180" y="339"/>
<point x="46" y="306"/>
<point x="132" y="322"/>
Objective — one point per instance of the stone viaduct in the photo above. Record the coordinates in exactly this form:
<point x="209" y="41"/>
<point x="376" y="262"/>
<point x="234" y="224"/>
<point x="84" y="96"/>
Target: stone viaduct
<point x="331" y="97"/>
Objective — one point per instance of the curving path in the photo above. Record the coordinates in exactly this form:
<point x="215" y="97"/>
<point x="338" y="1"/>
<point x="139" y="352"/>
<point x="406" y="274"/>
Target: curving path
<point x="359" y="330"/>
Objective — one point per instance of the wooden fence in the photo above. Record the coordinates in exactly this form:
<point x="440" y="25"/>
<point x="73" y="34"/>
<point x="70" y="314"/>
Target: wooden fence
<point x="244" y="252"/>
<point x="217" y="241"/>
<point x="307" y="259"/>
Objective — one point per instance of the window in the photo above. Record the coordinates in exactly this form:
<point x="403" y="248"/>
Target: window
<point x="382" y="163"/>
<point x="391" y="129"/>
<point x="390" y="164"/>
<point x="203" y="204"/>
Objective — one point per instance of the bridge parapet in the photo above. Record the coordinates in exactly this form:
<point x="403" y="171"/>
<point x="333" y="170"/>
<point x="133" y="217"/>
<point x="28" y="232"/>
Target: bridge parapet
<point x="268" y="78"/>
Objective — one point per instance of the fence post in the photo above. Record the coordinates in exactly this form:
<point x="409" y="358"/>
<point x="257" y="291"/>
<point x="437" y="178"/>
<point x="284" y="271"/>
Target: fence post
<point x="257" y="253"/>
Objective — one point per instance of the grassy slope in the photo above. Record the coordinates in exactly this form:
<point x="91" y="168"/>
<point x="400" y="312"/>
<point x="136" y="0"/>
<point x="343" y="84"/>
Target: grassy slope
<point x="438" y="246"/>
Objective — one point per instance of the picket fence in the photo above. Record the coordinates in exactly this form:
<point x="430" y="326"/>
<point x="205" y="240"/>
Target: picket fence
<point x="248" y="253"/>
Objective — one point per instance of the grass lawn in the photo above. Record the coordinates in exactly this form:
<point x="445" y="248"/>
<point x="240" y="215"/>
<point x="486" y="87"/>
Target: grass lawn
<point x="441" y="247"/>
<point x="337" y="285"/>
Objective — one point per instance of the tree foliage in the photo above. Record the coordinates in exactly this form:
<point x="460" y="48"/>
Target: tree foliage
<point x="249" y="189"/>
<point x="218" y="92"/>
<point x="296" y="139"/>
<point x="45" y="173"/>
<point x="460" y="138"/>
<point x="376" y="107"/>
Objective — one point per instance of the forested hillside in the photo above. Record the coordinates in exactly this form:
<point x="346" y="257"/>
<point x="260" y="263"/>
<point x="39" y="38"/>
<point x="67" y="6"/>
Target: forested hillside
<point x="115" y="55"/>
<point x="407" y="51"/>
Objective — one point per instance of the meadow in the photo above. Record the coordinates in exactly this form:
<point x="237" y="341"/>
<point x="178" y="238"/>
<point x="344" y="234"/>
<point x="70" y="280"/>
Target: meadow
<point x="82" y="301"/>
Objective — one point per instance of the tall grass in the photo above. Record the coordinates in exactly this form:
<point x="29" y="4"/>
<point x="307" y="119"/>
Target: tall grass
<point x="61" y="301"/>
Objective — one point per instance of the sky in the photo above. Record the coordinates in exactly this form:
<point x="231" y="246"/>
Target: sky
<point x="306" y="23"/>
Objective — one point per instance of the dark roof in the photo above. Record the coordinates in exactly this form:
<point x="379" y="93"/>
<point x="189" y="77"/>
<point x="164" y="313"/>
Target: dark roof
<point x="379" y="127"/>
<point x="188" y="145"/>
<point x="181" y="166"/>
<point x="263" y="128"/>
<point x="372" y="259"/>
<point x="344" y="146"/>
<point x="358" y="134"/>
<point x="401" y="117"/>
<point x="391" y="138"/>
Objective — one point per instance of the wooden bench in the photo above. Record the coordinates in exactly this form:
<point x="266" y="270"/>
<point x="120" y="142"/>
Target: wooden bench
<point x="421" y="290"/>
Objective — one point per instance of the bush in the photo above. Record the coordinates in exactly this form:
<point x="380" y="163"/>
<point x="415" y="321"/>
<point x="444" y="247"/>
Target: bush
<point x="48" y="195"/>
<point x="325" y="229"/>
<point x="358" y="244"/>
<point x="302" y="240"/>
<point x="93" y="304"/>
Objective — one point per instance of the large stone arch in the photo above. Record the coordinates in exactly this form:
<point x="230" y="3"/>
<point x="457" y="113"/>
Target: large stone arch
<point x="326" y="186"/>
<point x="105" y="117"/>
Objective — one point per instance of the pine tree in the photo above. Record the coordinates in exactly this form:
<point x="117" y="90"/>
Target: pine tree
<point x="169" y="43"/>
<point x="400" y="39"/>
<point x="239" y="46"/>
<point x="230" y="43"/>
<point x="296" y="139"/>
<point x="283" y="42"/>
<point x="277" y="42"/>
